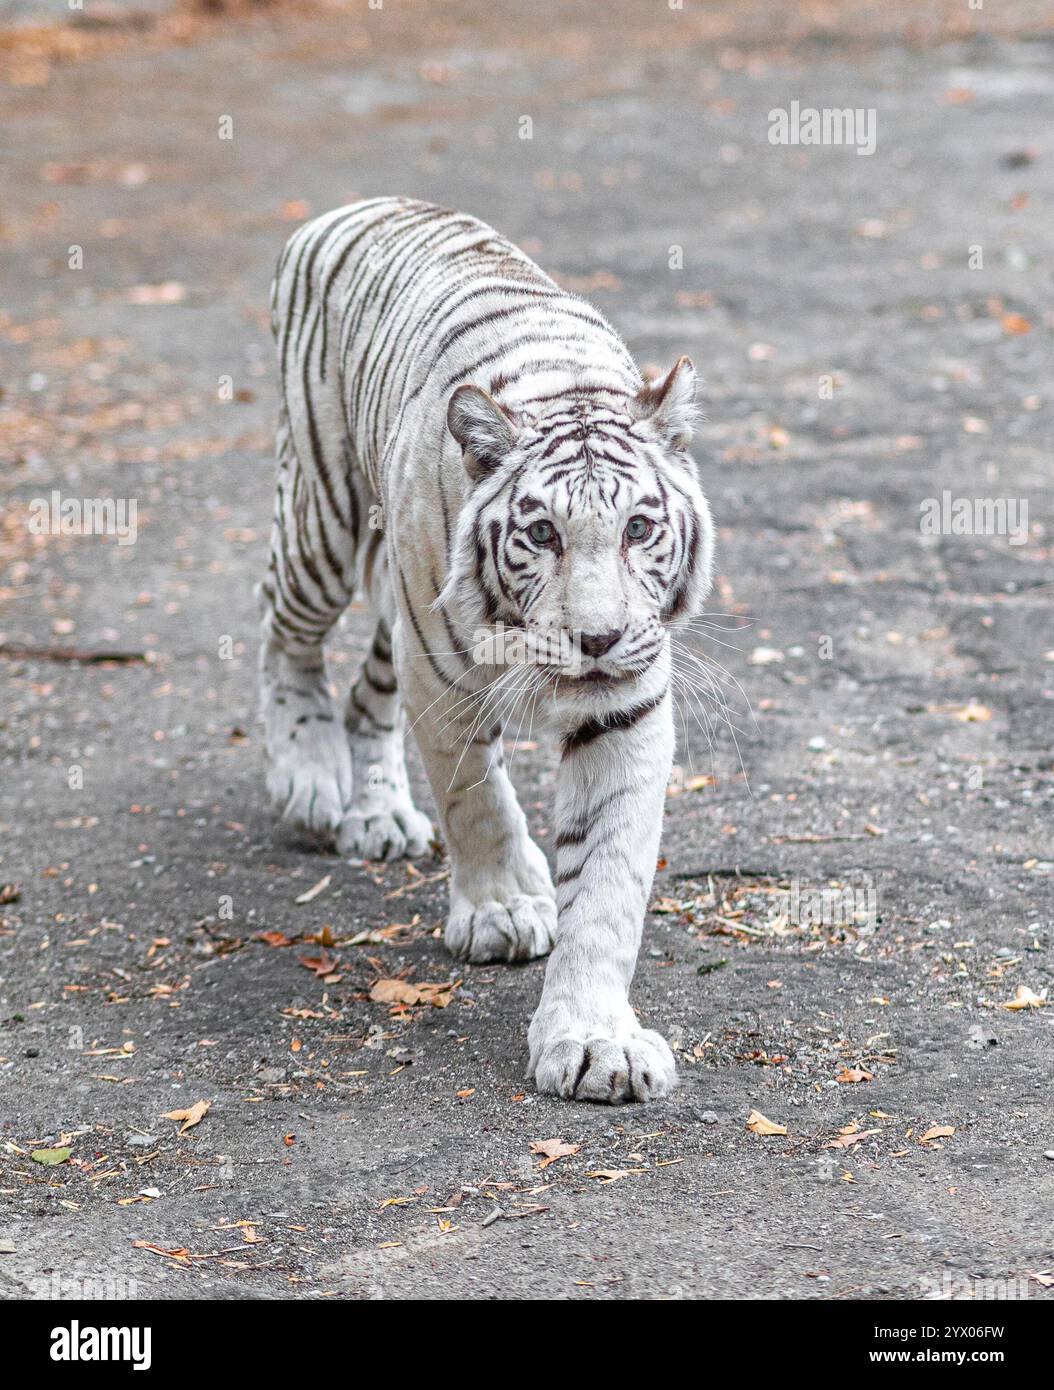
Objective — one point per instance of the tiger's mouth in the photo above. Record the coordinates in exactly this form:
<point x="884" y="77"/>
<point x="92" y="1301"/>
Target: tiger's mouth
<point x="597" y="677"/>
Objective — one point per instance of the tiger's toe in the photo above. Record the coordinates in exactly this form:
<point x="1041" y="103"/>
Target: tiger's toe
<point x="521" y="928"/>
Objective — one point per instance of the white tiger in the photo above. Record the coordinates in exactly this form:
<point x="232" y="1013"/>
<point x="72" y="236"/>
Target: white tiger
<point x="475" y="448"/>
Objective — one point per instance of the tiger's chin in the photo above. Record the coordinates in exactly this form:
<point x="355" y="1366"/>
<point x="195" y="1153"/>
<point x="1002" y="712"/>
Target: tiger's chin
<point x="598" y="691"/>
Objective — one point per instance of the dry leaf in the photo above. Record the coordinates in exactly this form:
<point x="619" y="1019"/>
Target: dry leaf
<point x="324" y="967"/>
<point x="1024" y="998"/>
<point x="181" y="1253"/>
<point x="758" y="1124"/>
<point x="320" y="887"/>
<point x="401" y="992"/>
<point x="191" y="1117"/>
<point x="937" y="1132"/>
<point x="552" y="1149"/>
<point x="845" y="1141"/>
<point x="394" y="992"/>
<point x="439" y="996"/>
<point x="850" y="1075"/>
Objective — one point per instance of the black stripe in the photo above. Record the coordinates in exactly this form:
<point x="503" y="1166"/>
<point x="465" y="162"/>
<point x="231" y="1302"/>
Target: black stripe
<point x="609" y="723"/>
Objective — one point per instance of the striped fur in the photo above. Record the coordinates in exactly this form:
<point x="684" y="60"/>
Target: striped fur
<point x="475" y="448"/>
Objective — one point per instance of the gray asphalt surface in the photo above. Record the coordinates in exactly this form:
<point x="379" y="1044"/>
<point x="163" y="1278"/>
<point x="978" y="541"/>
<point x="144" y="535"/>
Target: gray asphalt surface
<point x="896" y="690"/>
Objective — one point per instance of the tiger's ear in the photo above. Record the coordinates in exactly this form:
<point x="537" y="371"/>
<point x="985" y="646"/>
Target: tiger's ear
<point x="484" y="429"/>
<point x="669" y="403"/>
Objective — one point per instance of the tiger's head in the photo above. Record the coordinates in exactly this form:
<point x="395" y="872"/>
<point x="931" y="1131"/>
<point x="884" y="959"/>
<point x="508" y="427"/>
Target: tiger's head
<point x="583" y="529"/>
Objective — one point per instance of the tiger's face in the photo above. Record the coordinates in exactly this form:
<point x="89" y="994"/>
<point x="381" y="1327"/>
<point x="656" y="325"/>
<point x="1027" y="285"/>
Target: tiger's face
<point x="585" y="534"/>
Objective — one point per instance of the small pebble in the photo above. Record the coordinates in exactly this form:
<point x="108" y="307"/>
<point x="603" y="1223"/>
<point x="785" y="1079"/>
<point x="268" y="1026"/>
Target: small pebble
<point x="709" y="1117"/>
<point x="1049" y="1153"/>
<point x="817" y="744"/>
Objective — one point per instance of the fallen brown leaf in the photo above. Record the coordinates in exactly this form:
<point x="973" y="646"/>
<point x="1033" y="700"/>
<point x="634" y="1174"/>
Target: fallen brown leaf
<point x="758" y="1124"/>
<point x="324" y="966"/>
<point x="937" y="1132"/>
<point x="845" y="1141"/>
<point x="275" y="938"/>
<point x="191" y="1117"/>
<point x="1024" y="998"/>
<point x="394" y="992"/>
<point x="402" y="992"/>
<point x="550" y="1150"/>
<point x="181" y="1253"/>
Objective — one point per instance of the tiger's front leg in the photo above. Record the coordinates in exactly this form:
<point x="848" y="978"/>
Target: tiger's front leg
<point x="585" y="1040"/>
<point x="502" y="904"/>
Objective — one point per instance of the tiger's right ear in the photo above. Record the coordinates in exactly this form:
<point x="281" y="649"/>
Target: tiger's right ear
<point x="484" y="429"/>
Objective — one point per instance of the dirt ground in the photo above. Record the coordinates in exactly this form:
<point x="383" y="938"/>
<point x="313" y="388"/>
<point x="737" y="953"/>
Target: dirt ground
<point x="873" y="330"/>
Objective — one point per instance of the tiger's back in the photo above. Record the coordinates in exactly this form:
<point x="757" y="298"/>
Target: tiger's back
<point x="383" y="307"/>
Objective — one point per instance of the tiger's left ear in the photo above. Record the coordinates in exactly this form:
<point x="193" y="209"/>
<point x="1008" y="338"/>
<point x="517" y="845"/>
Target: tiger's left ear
<point x="484" y="429"/>
<point x="669" y="404"/>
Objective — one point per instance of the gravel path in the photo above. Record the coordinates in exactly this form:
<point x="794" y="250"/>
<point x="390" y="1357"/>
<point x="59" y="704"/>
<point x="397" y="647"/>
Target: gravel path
<point x="895" y="690"/>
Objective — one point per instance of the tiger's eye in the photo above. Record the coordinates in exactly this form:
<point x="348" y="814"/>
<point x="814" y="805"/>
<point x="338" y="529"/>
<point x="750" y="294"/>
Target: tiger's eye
<point x="638" y="528"/>
<point x="541" y="532"/>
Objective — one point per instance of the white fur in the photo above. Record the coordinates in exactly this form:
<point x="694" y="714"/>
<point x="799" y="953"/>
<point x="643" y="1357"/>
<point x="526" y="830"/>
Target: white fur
<point x="390" y="411"/>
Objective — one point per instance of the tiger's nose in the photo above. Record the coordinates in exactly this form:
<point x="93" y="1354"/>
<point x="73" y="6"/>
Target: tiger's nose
<point x="597" y="643"/>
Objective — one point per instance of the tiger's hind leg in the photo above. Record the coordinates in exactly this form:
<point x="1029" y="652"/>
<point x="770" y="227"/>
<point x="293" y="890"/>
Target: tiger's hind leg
<point x="309" y="584"/>
<point x="382" y="821"/>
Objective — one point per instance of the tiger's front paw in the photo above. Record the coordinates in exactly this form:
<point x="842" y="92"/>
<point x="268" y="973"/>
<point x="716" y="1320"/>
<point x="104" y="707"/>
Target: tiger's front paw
<point x="521" y="927"/>
<point x="610" y="1064"/>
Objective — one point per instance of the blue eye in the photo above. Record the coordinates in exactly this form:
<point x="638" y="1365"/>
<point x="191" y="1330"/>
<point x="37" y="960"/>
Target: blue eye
<point x="542" y="532"/>
<point x="639" y="528"/>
